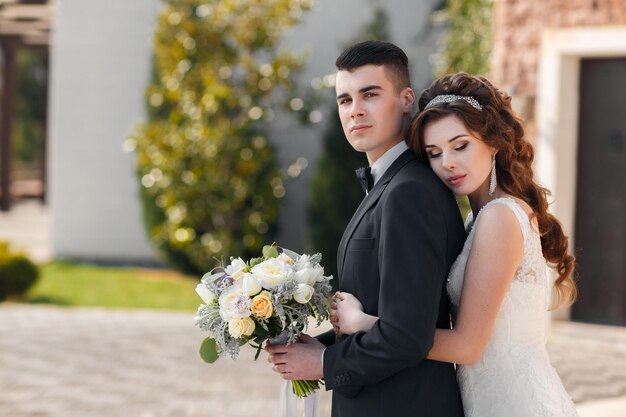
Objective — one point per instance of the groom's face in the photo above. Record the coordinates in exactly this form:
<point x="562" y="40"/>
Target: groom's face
<point x="371" y="109"/>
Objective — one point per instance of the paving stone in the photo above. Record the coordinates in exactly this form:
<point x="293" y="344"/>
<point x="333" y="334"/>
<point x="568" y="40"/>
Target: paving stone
<point x="92" y="362"/>
<point x="71" y="362"/>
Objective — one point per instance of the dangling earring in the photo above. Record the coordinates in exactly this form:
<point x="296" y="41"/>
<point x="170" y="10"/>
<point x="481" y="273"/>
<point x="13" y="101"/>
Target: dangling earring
<point x="493" y="182"/>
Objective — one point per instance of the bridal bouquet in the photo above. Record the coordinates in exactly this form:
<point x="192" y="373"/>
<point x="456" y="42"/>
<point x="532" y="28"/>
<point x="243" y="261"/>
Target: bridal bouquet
<point x="266" y="298"/>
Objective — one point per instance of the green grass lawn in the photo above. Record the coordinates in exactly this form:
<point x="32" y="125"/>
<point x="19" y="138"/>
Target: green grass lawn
<point x="86" y="285"/>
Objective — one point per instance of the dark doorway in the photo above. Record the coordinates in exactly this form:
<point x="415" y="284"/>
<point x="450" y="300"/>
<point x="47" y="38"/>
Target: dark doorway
<point x="600" y="228"/>
<point x="24" y="39"/>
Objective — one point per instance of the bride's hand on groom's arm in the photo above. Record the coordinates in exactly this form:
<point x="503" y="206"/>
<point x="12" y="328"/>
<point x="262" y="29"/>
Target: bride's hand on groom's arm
<point x="347" y="315"/>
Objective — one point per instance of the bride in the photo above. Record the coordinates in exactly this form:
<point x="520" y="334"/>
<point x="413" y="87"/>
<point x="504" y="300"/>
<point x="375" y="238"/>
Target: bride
<point x="498" y="286"/>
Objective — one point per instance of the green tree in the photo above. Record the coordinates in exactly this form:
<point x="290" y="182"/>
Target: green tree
<point x="211" y="186"/>
<point x="335" y="190"/>
<point x="467" y="44"/>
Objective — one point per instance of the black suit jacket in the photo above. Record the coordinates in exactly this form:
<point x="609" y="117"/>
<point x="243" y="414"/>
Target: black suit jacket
<point x="395" y="256"/>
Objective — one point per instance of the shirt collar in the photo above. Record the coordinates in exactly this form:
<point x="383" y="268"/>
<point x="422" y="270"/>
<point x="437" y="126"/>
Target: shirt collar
<point x="384" y="162"/>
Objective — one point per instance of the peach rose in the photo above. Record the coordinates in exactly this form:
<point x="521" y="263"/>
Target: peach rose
<point x="262" y="305"/>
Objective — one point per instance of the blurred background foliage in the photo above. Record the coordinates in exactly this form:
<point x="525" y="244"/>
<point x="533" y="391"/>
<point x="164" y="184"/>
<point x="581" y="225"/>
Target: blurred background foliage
<point x="17" y="272"/>
<point x="211" y="186"/>
<point x="468" y="41"/>
<point x="210" y="182"/>
<point x="335" y="193"/>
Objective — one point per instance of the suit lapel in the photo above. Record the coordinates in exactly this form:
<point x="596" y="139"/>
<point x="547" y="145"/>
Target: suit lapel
<point x="369" y="200"/>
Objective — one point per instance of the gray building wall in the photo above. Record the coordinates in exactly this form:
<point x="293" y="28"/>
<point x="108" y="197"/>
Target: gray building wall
<point x="100" y="64"/>
<point x="101" y="58"/>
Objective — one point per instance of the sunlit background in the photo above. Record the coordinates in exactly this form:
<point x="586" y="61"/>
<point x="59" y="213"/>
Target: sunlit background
<point x="144" y="142"/>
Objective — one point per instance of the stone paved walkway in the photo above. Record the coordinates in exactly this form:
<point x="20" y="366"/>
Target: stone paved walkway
<point x="590" y="359"/>
<point x="58" y="362"/>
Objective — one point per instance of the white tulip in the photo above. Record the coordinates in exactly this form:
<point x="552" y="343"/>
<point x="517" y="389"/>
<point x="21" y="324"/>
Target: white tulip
<point x="207" y="295"/>
<point x="303" y="293"/>
<point x="251" y="285"/>
<point x="309" y="276"/>
<point x="303" y="262"/>
<point x="235" y="268"/>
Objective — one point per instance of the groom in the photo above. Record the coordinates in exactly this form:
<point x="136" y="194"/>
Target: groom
<point x="394" y="257"/>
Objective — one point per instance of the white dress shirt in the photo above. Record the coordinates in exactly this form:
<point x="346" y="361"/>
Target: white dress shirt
<point x="384" y="162"/>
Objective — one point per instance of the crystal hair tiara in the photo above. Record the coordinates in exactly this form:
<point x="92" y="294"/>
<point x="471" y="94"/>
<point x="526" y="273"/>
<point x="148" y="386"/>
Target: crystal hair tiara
<point x="448" y="98"/>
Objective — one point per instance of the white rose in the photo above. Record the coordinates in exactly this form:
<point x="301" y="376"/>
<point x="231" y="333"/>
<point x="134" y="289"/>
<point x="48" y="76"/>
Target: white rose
<point x="235" y="269"/>
<point x="309" y="275"/>
<point x="235" y="303"/>
<point x="271" y="272"/>
<point x="241" y="327"/>
<point x="207" y="295"/>
<point x="251" y="285"/>
<point x="303" y="293"/>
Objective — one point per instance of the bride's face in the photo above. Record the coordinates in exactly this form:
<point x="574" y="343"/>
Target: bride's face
<point x="458" y="156"/>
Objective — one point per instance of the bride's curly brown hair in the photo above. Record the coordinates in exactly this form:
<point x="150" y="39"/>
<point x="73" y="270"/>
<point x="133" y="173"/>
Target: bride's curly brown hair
<point x="498" y="126"/>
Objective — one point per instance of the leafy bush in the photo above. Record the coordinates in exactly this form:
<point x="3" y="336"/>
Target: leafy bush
<point x="210" y="181"/>
<point x="467" y="44"/>
<point x="17" y="272"/>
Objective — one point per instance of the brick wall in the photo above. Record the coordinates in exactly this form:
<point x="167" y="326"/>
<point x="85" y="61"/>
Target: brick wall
<point x="518" y="25"/>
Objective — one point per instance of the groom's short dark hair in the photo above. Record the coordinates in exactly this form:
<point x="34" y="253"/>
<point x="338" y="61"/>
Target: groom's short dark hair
<point x="377" y="53"/>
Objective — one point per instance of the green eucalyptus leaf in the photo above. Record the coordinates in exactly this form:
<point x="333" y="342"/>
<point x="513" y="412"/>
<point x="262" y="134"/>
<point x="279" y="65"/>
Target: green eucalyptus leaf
<point x="255" y="261"/>
<point x="208" y="350"/>
<point x="270" y="251"/>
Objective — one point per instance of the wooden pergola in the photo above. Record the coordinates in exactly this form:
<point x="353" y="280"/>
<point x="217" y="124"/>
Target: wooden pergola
<point x="23" y="24"/>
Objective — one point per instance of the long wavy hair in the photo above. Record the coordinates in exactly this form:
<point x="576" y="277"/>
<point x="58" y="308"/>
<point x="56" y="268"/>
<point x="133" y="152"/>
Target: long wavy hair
<point x="498" y="126"/>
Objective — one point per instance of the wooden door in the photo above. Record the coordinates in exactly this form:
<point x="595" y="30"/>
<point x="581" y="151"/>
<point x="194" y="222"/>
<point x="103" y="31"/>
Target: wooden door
<point x="600" y="226"/>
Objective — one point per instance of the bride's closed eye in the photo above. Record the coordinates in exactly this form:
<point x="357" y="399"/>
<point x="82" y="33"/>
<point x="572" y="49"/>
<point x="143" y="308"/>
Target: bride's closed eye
<point x="462" y="146"/>
<point x="435" y="154"/>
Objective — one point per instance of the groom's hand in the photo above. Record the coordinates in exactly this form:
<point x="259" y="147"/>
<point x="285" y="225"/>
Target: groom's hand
<point x="301" y="360"/>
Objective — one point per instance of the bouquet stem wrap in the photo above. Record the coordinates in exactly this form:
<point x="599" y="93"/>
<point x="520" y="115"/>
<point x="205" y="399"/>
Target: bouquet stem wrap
<point x="300" y="388"/>
<point x="287" y="405"/>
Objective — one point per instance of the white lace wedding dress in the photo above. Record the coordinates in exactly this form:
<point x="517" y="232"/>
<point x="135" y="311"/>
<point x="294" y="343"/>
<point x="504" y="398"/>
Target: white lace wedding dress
<point x="514" y="377"/>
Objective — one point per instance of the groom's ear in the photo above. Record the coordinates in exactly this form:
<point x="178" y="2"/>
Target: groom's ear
<point x="407" y="95"/>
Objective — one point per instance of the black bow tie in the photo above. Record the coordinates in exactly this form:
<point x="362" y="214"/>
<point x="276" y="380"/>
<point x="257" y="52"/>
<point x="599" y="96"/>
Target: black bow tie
<point x="365" y="178"/>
